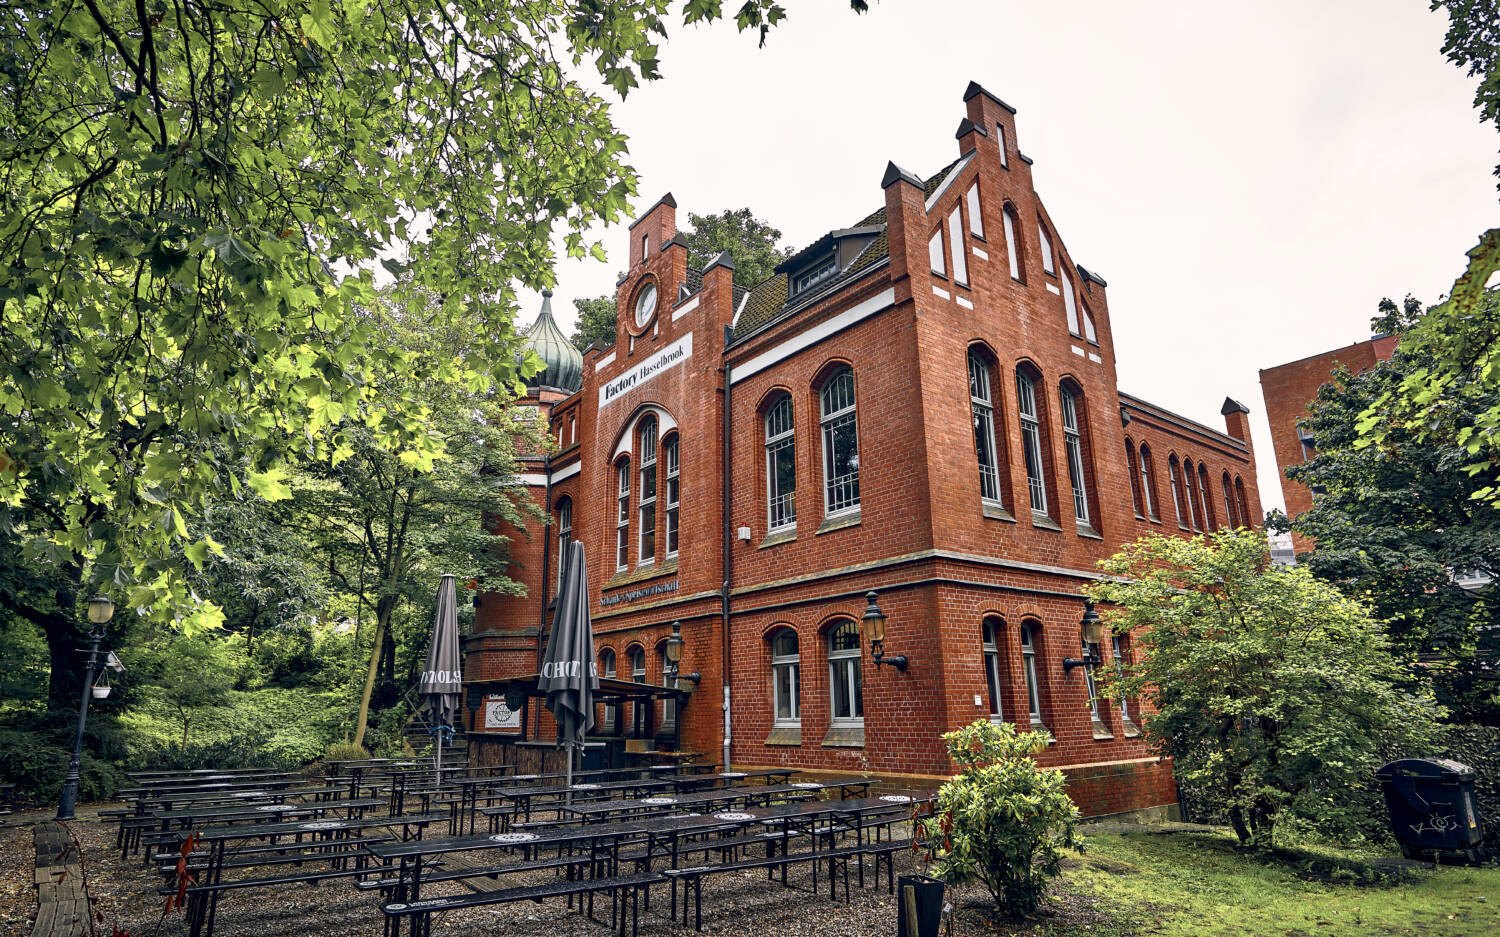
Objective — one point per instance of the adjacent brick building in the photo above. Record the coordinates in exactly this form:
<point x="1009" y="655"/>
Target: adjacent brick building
<point x="1288" y="390"/>
<point x="922" y="404"/>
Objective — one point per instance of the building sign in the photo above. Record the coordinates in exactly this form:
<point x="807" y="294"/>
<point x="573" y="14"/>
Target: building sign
<point x="499" y="716"/>
<point x="641" y="593"/>
<point x="640" y="375"/>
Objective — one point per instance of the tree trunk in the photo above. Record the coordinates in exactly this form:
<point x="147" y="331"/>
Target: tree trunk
<point x="383" y="610"/>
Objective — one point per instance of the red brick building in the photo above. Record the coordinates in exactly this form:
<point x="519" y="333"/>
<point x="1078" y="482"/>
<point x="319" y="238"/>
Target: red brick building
<point x="921" y="404"/>
<point x="1288" y="390"/>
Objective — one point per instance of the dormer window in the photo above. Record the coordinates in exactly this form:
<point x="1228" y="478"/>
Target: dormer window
<point x="817" y="273"/>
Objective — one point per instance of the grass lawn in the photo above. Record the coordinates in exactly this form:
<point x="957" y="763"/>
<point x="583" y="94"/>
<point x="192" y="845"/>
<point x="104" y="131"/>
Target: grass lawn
<point x="1197" y="883"/>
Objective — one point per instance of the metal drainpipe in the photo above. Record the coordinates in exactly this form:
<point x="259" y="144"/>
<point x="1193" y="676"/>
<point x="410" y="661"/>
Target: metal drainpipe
<point x="728" y="559"/>
<point x="546" y="558"/>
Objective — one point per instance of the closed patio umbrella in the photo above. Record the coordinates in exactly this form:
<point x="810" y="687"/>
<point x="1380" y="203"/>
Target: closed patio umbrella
<point x="569" y="675"/>
<point x="442" y="678"/>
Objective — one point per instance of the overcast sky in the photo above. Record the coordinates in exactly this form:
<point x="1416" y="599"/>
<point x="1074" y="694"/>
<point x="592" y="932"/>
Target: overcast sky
<point x="1251" y="178"/>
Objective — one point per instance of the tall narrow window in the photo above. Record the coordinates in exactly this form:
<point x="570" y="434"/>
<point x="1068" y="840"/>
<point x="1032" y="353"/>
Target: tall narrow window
<point x="674" y="494"/>
<point x="607" y="669"/>
<point x="1117" y="647"/>
<point x="981" y="401"/>
<point x="956" y="240"/>
<point x="1070" y="304"/>
<point x="668" y="704"/>
<point x="935" y="253"/>
<point x="647" y="497"/>
<point x="1000" y="139"/>
<point x="840" y="444"/>
<point x="564" y="535"/>
<point x="786" y="678"/>
<point x="1031" y="442"/>
<point x="992" y="681"/>
<point x="1073" y="442"/>
<point x="1028" y="662"/>
<point x="1174" y="481"/>
<point x="781" y="466"/>
<point x="1008" y="219"/>
<point x="622" y="514"/>
<point x="976" y="222"/>
<point x="1148" y="483"/>
<point x="1046" y="242"/>
<point x="1244" y="502"/>
<point x="1230" y="512"/>
<point x="1206" y="495"/>
<point x="1131" y="467"/>
<point x="638" y="675"/>
<point x="1190" y="488"/>
<point x="1089" y="333"/>
<point x="1089" y="683"/>
<point x="846" y="690"/>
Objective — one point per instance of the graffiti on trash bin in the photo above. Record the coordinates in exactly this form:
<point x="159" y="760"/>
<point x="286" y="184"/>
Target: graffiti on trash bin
<point x="1435" y="825"/>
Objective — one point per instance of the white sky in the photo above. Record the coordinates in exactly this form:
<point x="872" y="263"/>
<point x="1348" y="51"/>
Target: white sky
<point x="1251" y="179"/>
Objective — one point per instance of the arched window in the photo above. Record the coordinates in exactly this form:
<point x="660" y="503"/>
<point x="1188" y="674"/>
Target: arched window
<point x="781" y="465"/>
<point x="637" y="657"/>
<point x="1239" y="495"/>
<point x="1012" y="247"/>
<point x="1048" y="263"/>
<point x="622" y="514"/>
<point x="647" y="449"/>
<point x="674" y="494"/>
<point x="786" y="678"/>
<point x="564" y="534"/>
<point x="1231" y="512"/>
<point x="1074" y="428"/>
<point x="1148" y="483"/>
<point x="1190" y="488"/>
<point x="1029" y="408"/>
<point x="1119" y="646"/>
<point x="1135" y="478"/>
<point x="1179" y="499"/>
<point x="1206" y="495"/>
<point x="607" y="668"/>
<point x="845" y="684"/>
<point x="993" y="681"/>
<point x="1030" y="639"/>
<point x="668" y="704"/>
<point x="982" y="405"/>
<point x="1070" y="305"/>
<point x="840" y="443"/>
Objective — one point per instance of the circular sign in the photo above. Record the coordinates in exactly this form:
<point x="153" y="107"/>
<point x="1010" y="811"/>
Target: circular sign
<point x="585" y="787"/>
<point x="806" y="785"/>
<point x="732" y="815"/>
<point x="658" y="801"/>
<point x="512" y="837"/>
<point x="321" y="825"/>
<point x="645" y="305"/>
<point x="895" y="798"/>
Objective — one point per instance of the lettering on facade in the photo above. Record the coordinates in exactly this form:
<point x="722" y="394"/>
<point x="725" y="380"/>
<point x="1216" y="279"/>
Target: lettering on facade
<point x="633" y="594"/>
<point x="638" y="376"/>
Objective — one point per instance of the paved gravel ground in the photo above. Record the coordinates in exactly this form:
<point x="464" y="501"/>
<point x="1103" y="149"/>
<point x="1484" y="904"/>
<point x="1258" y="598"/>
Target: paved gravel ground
<point x="740" y="903"/>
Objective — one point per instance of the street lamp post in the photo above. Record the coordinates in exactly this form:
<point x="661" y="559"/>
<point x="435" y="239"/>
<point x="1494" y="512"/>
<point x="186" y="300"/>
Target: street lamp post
<point x="101" y="610"/>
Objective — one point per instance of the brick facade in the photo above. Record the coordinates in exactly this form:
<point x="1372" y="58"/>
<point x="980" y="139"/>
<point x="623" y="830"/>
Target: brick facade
<point x="712" y="360"/>
<point x="1289" y="389"/>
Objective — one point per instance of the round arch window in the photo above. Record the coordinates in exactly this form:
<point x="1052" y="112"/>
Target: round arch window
<point x="645" y="305"/>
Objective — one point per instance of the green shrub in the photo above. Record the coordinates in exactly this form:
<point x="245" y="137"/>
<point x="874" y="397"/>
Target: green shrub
<point x="37" y="766"/>
<point x="345" y="751"/>
<point x="1003" y="821"/>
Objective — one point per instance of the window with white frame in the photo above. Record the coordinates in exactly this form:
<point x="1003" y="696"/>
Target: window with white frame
<point x="846" y="691"/>
<point x="607" y="669"/>
<point x="622" y="514"/>
<point x="840" y="443"/>
<point x="1070" y="304"/>
<point x="1091" y="650"/>
<point x="1090" y="335"/>
<point x="1029" y="668"/>
<point x="935" y="253"/>
<point x="811" y="277"/>
<point x="956" y="239"/>
<point x="647" y="499"/>
<point x="1231" y="514"/>
<point x="668" y="704"/>
<point x="781" y="466"/>
<point x="786" y="678"/>
<point x="1190" y="486"/>
<point x="1117" y="651"/>
<point x="1047" y="262"/>
<point x="564" y="535"/>
<point x="1000" y="139"/>
<point x="992" y="671"/>
<point x="638" y="675"/>
<point x="1008" y="219"/>
<point x="1206" y="495"/>
<point x="1031" y="442"/>
<point x="1174" y="481"/>
<point x="1135" y="478"/>
<point x="1148" y="483"/>
<point x="674" y="494"/>
<point x="976" y="220"/>
<point x="1073" y="442"/>
<point x="982" y="405"/>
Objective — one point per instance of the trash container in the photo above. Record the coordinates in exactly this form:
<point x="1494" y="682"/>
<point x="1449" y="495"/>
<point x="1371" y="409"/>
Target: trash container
<point x="1433" y="813"/>
<point x="919" y="906"/>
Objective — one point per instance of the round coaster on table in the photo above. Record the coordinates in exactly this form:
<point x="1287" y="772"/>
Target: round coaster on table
<point x="658" y="801"/>
<point x="731" y="815"/>
<point x="321" y="825"/>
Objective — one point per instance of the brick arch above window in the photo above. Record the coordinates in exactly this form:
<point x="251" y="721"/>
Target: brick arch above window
<point x="626" y="435"/>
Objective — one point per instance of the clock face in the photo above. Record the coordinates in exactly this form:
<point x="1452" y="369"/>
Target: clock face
<point x="645" y="305"/>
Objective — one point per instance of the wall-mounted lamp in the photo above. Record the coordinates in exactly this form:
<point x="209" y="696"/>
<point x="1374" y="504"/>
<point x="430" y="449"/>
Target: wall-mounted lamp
<point x="1093" y="633"/>
<point x="674" y="657"/>
<point x="873" y="626"/>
